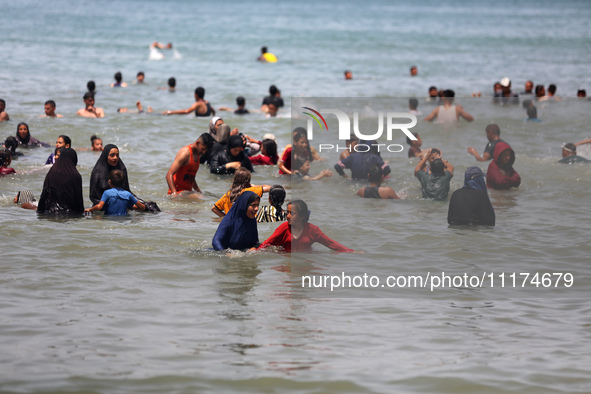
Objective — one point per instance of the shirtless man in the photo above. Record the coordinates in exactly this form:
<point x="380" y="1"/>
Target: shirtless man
<point x="200" y="106"/>
<point x="3" y="114"/>
<point x="90" y="111"/>
<point x="50" y="110"/>
<point x="181" y="174"/>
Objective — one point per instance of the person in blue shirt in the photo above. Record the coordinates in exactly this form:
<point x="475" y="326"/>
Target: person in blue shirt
<point x="116" y="201"/>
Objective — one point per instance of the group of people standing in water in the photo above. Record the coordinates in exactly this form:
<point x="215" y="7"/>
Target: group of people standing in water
<point x="226" y="151"/>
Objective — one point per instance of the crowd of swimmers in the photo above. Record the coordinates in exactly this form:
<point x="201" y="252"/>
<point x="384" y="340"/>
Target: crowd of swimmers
<point x="227" y="152"/>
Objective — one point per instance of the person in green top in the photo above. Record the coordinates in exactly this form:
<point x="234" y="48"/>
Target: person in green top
<point x="435" y="185"/>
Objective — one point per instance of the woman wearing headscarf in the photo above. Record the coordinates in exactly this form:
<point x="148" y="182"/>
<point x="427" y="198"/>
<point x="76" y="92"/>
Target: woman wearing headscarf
<point x="214" y="125"/>
<point x="470" y="204"/>
<point x="23" y="136"/>
<point x="229" y="160"/>
<point x="62" y="189"/>
<point x="99" y="178"/>
<point x="238" y="229"/>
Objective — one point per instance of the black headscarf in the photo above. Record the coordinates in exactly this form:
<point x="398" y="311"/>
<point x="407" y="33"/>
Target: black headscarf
<point x="99" y="178"/>
<point x="62" y="189"/>
<point x="237" y="230"/>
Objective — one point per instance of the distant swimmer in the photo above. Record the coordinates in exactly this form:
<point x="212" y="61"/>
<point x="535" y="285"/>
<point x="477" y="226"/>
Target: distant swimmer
<point x="273" y="97"/>
<point x="414" y="71"/>
<point x="200" y="106"/>
<point x="140" y="77"/>
<point x="3" y="114"/>
<point x="155" y="54"/>
<point x="241" y="110"/>
<point x="140" y="109"/>
<point x="96" y="143"/>
<point x="581" y="93"/>
<point x="90" y="111"/>
<point x="91" y="86"/>
<point x="531" y="110"/>
<point x="50" y="110"/>
<point x="267" y="57"/>
<point x="448" y="113"/>
<point x="348" y="75"/>
<point x="118" y="81"/>
<point x="569" y="155"/>
<point x="506" y="96"/>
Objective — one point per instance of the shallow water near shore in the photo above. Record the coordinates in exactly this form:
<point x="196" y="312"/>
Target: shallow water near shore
<point x="142" y="304"/>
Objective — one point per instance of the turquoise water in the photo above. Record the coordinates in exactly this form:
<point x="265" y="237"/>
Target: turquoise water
<point x="140" y="305"/>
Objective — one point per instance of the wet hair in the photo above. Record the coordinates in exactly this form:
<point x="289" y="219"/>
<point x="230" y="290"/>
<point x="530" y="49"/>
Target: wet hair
<point x="570" y="147"/>
<point x="298" y="134"/>
<point x="437" y="167"/>
<point x="3" y="101"/>
<point x="375" y="173"/>
<point x="200" y="92"/>
<point x="117" y="178"/>
<point x="581" y="93"/>
<point x="11" y="143"/>
<point x="93" y="138"/>
<point x="413" y="103"/>
<point x="435" y="150"/>
<point x="240" y="101"/>
<point x="526" y="103"/>
<point x="207" y="140"/>
<point x="141" y="73"/>
<point x="301" y="208"/>
<point x="4" y="158"/>
<point x="171" y="82"/>
<point x="88" y="95"/>
<point x="50" y="102"/>
<point x="539" y="89"/>
<point x="28" y="137"/>
<point x="58" y="151"/>
<point x="273" y="90"/>
<point x="271" y="149"/>
<point x="264" y="50"/>
<point x="118" y="77"/>
<point x="409" y="141"/>
<point x="277" y="198"/>
<point x="493" y="128"/>
<point x="449" y="93"/>
<point x="552" y="89"/>
<point x="241" y="181"/>
<point x="432" y="87"/>
<point x="347" y="72"/>
<point x="91" y="86"/>
<point x="412" y="67"/>
<point x="66" y="139"/>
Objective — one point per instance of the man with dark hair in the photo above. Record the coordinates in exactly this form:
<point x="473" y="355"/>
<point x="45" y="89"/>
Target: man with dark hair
<point x="140" y="77"/>
<point x="90" y="111"/>
<point x="3" y="114"/>
<point x="448" y="113"/>
<point x="375" y="189"/>
<point x="433" y="94"/>
<point x="241" y="110"/>
<point x="274" y="97"/>
<point x="551" y="93"/>
<point x="50" y="110"/>
<point x="182" y="172"/>
<point x="436" y="184"/>
<point x="267" y="56"/>
<point x="529" y="88"/>
<point x="414" y="71"/>
<point x="201" y="107"/>
<point x="413" y="104"/>
<point x="569" y="155"/>
<point x="348" y="75"/>
<point x="493" y="134"/>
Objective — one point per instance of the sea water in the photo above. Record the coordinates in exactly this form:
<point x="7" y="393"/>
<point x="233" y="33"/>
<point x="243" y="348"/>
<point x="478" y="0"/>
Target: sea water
<point x="141" y="304"/>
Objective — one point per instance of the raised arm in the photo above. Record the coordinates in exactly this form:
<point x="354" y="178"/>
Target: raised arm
<point x="423" y="161"/>
<point x="182" y="111"/>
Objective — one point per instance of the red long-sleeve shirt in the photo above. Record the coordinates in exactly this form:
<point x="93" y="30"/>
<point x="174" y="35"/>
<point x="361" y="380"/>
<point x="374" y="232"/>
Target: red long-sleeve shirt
<point x="311" y="234"/>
